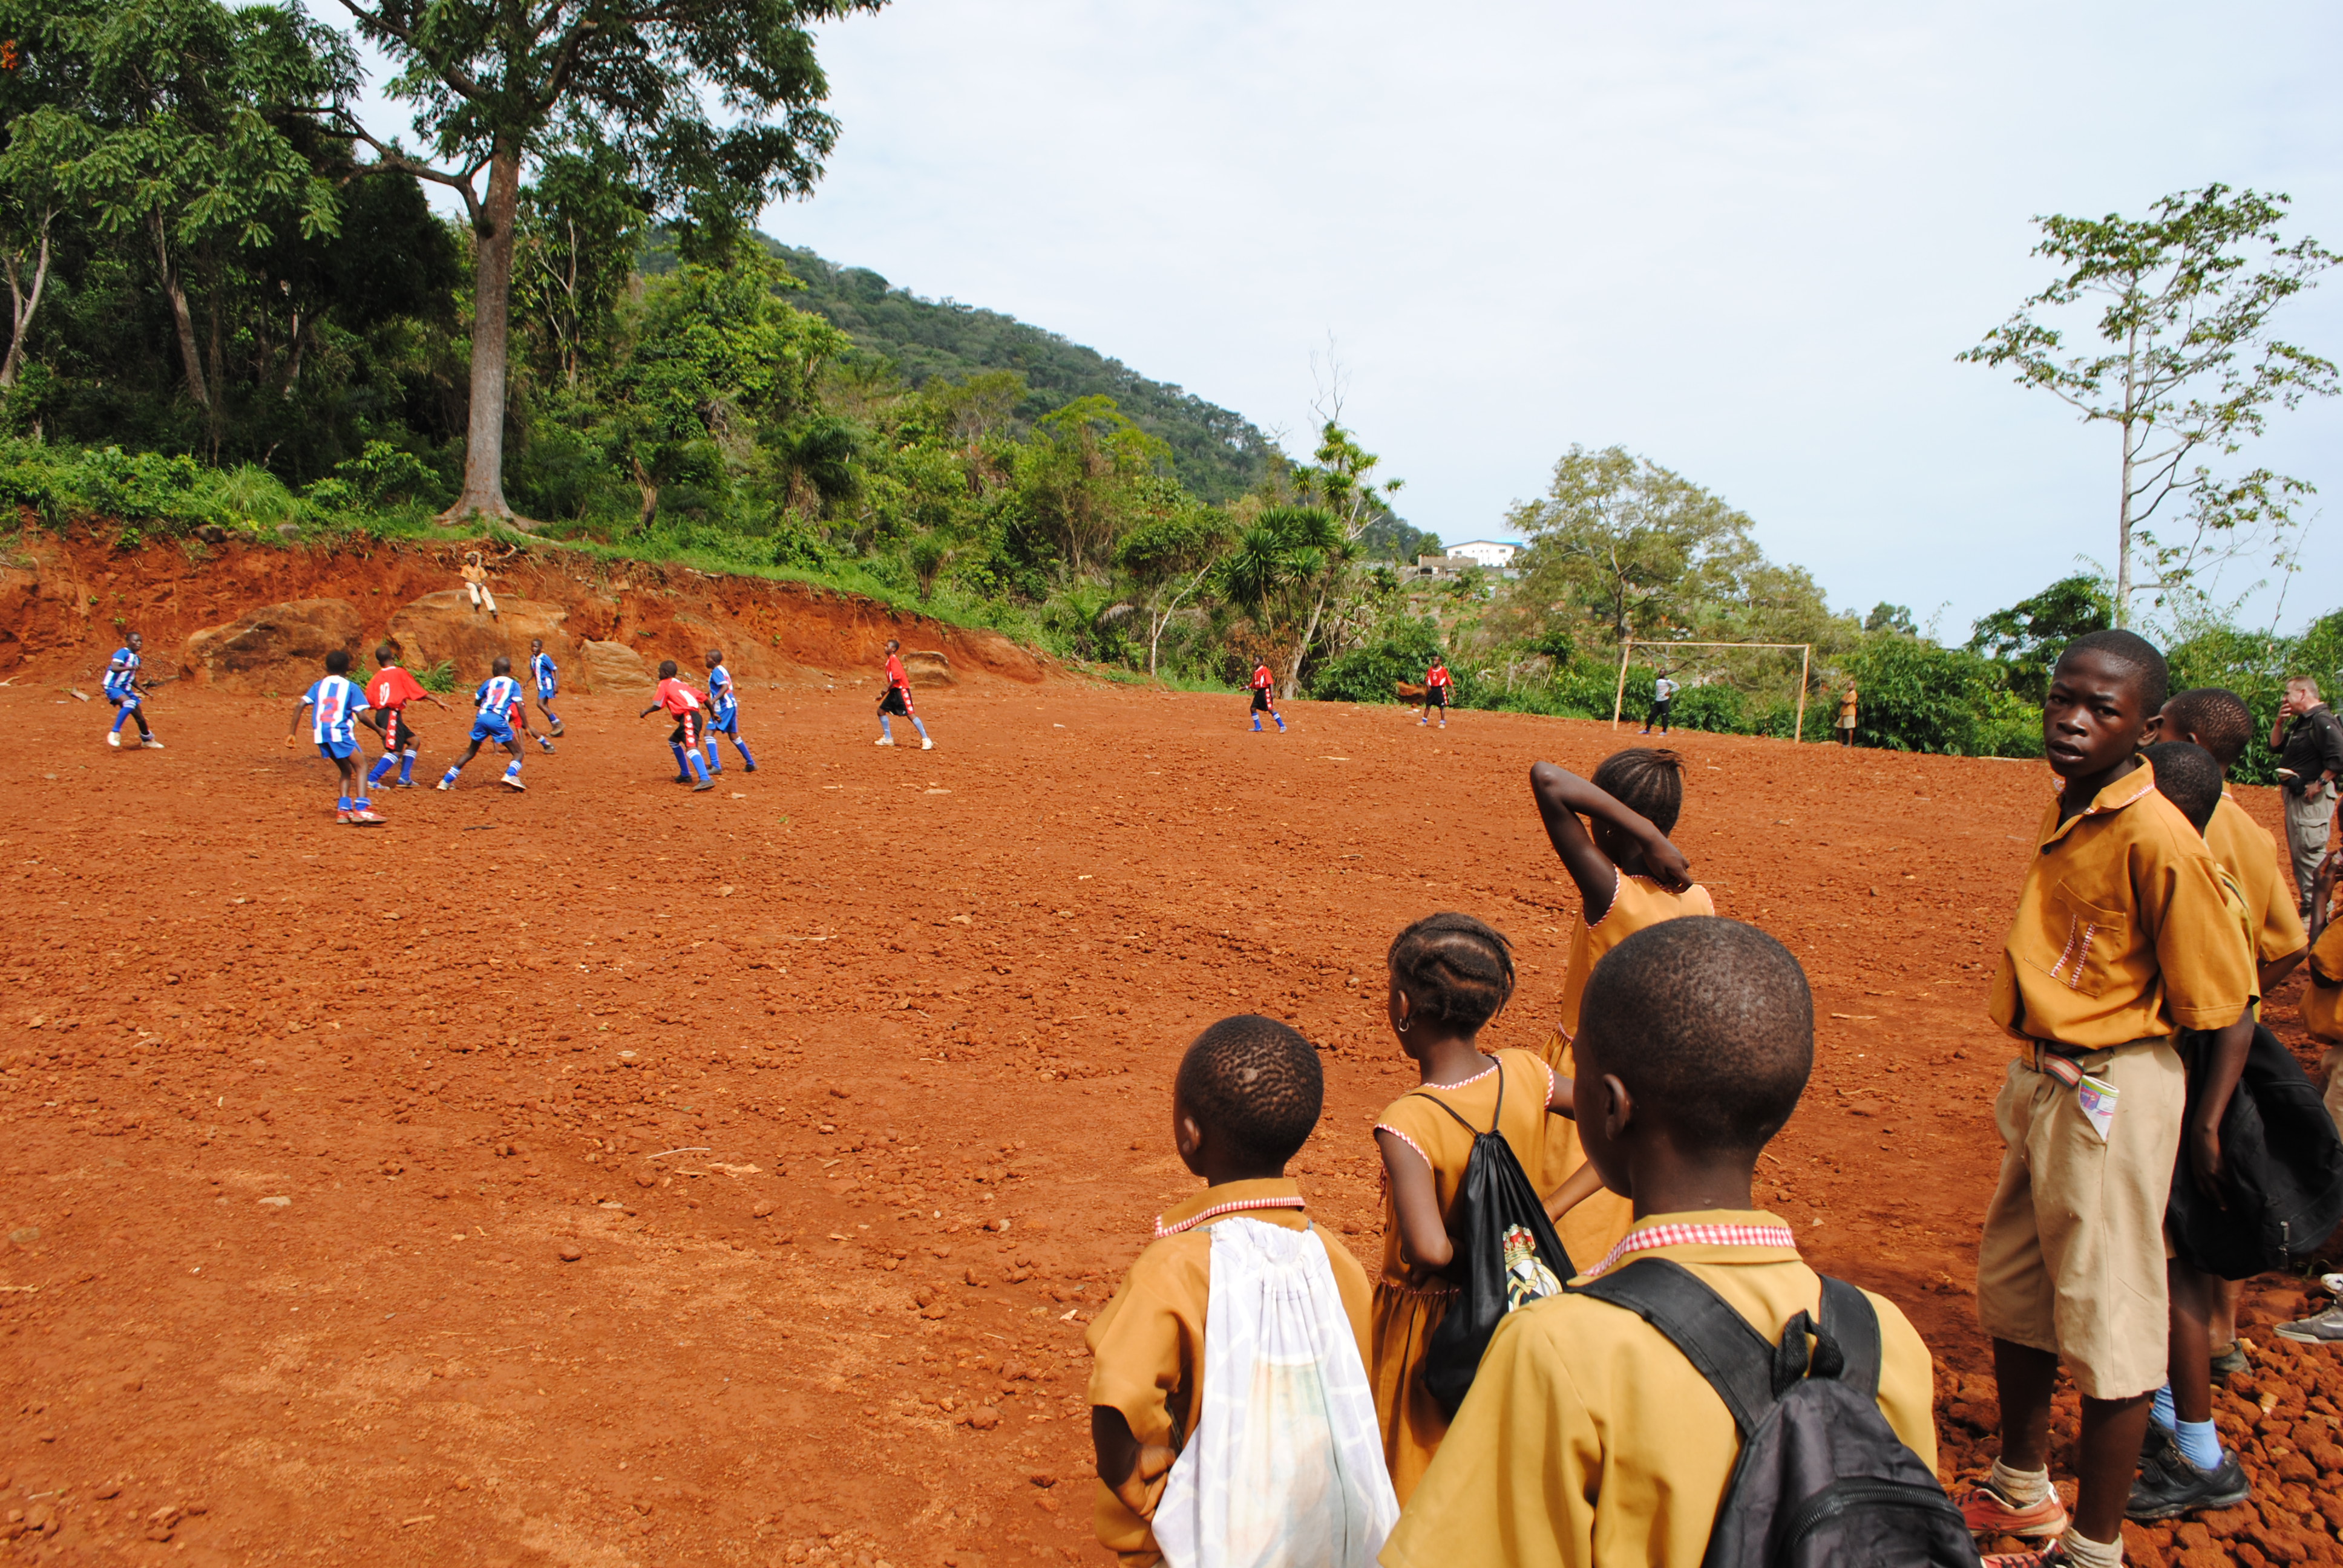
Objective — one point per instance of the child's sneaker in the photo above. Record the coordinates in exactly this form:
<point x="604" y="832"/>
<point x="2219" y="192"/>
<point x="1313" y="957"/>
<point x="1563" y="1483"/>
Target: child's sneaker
<point x="2230" y="1362"/>
<point x="1989" y="1512"/>
<point x="342" y="815"/>
<point x="749" y="767"/>
<point x="2319" y="1328"/>
<point x="364" y="817"/>
<point x="557" y="726"/>
<point x="114" y="738"/>
<point x="150" y="744"/>
<point x="443" y="784"/>
<point x="884" y="740"/>
<point x="926" y="744"/>
<point x="2169" y="1485"/>
<point x="511" y="783"/>
<point x="703" y="784"/>
<point x="544" y="744"/>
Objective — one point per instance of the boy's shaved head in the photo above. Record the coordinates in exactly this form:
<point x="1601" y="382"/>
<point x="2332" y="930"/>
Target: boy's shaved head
<point x="667" y="669"/>
<point x="387" y="654"/>
<point x="1254" y="1083"/>
<point x="2188" y="777"/>
<point x="2214" y="716"/>
<point x="1710" y="1025"/>
<point x="338" y="662"/>
<point x="500" y="665"/>
<point x="2132" y="656"/>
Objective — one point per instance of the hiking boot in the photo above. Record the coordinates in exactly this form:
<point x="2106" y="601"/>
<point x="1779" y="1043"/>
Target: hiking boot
<point x="1989" y="1512"/>
<point x="2320" y="1329"/>
<point x="2169" y="1486"/>
<point x="2230" y="1362"/>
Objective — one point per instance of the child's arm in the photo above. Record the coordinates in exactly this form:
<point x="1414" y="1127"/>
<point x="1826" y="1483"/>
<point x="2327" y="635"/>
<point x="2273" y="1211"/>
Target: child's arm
<point x="2277" y="970"/>
<point x="2228" y="1048"/>
<point x="1423" y="1237"/>
<point x="1582" y="1184"/>
<point x="1561" y="798"/>
<point x="1132" y="1471"/>
<point x="646" y="712"/>
<point x="2322" y="888"/>
<point x="299" y="708"/>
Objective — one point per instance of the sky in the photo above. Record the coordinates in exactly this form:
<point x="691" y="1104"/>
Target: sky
<point x="1743" y="239"/>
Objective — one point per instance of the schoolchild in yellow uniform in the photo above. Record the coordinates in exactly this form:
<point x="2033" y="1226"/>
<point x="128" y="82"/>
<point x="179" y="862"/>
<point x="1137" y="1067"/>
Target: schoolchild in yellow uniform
<point x="1588" y="1438"/>
<point x="1246" y="1099"/>
<point x="1629" y="877"/>
<point x="2219" y="722"/>
<point x="1450" y="975"/>
<point x="2121" y="937"/>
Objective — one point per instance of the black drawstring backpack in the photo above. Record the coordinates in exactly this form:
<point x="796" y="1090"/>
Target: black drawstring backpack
<point x="1507" y="1256"/>
<point x="2282" y="1187"/>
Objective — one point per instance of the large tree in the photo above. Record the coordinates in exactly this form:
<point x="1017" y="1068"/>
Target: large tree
<point x="497" y="83"/>
<point x="2184" y="366"/>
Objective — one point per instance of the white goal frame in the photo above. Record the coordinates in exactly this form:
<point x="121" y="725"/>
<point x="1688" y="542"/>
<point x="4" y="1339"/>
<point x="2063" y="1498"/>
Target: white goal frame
<point x="1805" y="667"/>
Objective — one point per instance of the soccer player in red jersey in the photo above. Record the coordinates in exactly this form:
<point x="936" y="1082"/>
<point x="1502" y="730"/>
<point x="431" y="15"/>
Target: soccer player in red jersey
<point x="1262" y="702"/>
<point x="1435" y="692"/>
<point x="388" y="693"/>
<point x="678" y="698"/>
<point x="898" y="700"/>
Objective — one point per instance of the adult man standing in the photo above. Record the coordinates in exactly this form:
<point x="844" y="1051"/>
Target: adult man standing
<point x="2309" y="744"/>
<point x="1664" y="699"/>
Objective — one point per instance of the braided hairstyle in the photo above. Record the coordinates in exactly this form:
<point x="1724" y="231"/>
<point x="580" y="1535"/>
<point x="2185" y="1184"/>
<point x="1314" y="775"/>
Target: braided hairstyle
<point x="1257" y="1084"/>
<point x="1647" y="780"/>
<point x="1454" y="968"/>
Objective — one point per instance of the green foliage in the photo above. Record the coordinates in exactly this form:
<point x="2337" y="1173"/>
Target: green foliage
<point x="2028" y="637"/>
<point x="1919" y="697"/>
<point x="439" y="680"/>
<point x="1368" y="674"/>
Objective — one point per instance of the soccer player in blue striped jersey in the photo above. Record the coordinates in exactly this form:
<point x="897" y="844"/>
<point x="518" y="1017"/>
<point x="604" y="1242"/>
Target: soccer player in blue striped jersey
<point x="122" y="691"/>
<point x="336" y="705"/>
<point x="546" y="674"/>
<point x="500" y="702"/>
<point x="723" y="712"/>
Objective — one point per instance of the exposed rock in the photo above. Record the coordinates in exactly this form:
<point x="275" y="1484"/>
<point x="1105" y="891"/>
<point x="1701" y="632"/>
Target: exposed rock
<point x="278" y="647"/>
<point x="613" y="667"/>
<point x="444" y="625"/>
<point x="928" y="667"/>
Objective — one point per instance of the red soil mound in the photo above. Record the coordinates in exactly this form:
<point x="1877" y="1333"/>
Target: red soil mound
<point x="615" y="1173"/>
<point x="66" y="602"/>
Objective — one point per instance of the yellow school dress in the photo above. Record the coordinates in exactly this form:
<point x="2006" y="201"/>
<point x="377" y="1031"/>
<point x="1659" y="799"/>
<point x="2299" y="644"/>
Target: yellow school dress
<point x="1405" y="1313"/>
<point x="1595" y="1226"/>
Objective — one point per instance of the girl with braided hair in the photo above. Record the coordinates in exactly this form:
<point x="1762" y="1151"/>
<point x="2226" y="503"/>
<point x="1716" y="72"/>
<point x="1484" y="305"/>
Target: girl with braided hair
<point x="1450" y="974"/>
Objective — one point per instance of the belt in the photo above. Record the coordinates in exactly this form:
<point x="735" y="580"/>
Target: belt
<point x="2064" y="1062"/>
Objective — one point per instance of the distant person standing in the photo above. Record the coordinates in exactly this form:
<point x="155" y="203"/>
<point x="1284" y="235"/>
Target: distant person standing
<point x="897" y="701"/>
<point x="1263" y="699"/>
<point x="2309" y="744"/>
<point x="1664" y="699"/>
<point x="476" y="583"/>
<point x="1436" y="683"/>
<point x="1847" y="705"/>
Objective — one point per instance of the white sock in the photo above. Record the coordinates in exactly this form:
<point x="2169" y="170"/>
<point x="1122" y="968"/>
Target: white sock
<point x="2089" y="1553"/>
<point x="2023" y="1487"/>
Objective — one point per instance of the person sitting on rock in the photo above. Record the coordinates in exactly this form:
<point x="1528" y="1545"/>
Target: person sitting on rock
<point x="476" y="583"/>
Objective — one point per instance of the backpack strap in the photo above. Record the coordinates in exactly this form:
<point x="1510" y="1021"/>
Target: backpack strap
<point x="1500" y="1070"/>
<point x="1851" y="1322"/>
<point x="1719" y="1342"/>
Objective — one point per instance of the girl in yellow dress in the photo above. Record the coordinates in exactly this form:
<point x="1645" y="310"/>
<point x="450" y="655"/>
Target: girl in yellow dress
<point x="1629" y="875"/>
<point x="1450" y="975"/>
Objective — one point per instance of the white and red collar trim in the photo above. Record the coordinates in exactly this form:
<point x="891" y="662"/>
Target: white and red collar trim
<point x="1652" y="1238"/>
<point x="1292" y="1201"/>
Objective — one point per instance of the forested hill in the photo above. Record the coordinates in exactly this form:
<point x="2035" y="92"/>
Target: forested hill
<point x="1218" y="454"/>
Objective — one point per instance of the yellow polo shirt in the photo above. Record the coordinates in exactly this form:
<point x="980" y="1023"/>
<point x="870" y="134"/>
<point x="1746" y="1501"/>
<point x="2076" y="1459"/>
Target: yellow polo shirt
<point x="2121" y="932"/>
<point x="2249" y="852"/>
<point x="1588" y="1438"/>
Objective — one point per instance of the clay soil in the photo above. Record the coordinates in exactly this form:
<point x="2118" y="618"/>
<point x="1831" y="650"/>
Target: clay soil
<point x="615" y="1175"/>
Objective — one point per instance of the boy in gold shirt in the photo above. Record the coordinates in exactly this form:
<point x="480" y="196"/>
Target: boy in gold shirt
<point x="1588" y="1437"/>
<point x="1246" y="1099"/>
<point x="2121" y="937"/>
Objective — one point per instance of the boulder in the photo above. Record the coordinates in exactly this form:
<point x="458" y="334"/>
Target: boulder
<point x="443" y="626"/>
<point x="277" y="647"/>
<point x="928" y="667"/>
<point x="613" y="667"/>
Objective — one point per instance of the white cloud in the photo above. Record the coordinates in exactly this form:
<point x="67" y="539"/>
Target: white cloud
<point x="1745" y="239"/>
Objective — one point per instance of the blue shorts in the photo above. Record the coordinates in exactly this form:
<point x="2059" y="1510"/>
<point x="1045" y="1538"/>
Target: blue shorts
<point x="486" y="729"/>
<point x="548" y="693"/>
<point x="727" y="722"/>
<point x="338" y="750"/>
<point x="125" y="699"/>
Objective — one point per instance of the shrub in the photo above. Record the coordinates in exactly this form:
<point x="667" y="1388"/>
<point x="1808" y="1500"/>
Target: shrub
<point x="1367" y="674"/>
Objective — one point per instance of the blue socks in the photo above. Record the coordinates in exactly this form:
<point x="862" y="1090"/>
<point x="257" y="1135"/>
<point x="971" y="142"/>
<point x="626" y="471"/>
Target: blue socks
<point x="2161" y="1410"/>
<point x="406" y="767"/>
<point x="2200" y="1443"/>
<point x="120" y="719"/>
<point x="381" y="767"/>
<point x="886" y="728"/>
<point x="341" y="803"/>
<point x="715" y="764"/>
<point x="745" y="754"/>
<point x="448" y="778"/>
<point x="919" y="727"/>
<point x="699" y="766"/>
<point x="512" y="769"/>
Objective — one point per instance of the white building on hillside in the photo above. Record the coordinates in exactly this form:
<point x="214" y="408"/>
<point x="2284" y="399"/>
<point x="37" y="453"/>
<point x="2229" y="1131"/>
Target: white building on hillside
<point x="1495" y="554"/>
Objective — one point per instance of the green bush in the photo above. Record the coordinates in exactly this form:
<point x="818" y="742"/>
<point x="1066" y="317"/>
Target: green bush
<point x="1367" y="674"/>
<point x="1919" y="697"/>
<point x="439" y="680"/>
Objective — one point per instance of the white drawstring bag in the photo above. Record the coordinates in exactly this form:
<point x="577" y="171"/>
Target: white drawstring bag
<point x="1285" y="1468"/>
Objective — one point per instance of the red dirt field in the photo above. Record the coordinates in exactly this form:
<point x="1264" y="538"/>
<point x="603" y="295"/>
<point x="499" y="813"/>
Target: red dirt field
<point x="613" y="1174"/>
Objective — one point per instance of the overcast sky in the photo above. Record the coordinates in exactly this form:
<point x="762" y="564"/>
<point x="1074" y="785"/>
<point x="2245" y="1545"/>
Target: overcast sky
<point x="1743" y="239"/>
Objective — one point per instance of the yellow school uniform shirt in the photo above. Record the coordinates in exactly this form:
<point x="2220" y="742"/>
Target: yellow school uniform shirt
<point x="1594" y="1227"/>
<point x="2249" y="852"/>
<point x="1588" y="1438"/>
<point x="1147" y="1344"/>
<point x="2121" y="933"/>
<point x="1405" y="1313"/>
<point x="2322" y="998"/>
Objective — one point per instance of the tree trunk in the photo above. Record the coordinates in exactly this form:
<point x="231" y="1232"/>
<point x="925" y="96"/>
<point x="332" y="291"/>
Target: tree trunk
<point x="484" y="445"/>
<point x="22" y="304"/>
<point x="190" y="358"/>
<point x="1302" y="648"/>
<point x="650" y="493"/>
<point x="2123" y="503"/>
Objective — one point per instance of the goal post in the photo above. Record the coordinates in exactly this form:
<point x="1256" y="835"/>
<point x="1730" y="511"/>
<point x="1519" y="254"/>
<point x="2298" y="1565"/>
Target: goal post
<point x="1805" y="669"/>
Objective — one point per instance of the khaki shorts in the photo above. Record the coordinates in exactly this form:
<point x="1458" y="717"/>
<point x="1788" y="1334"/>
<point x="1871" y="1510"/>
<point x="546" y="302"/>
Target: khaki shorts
<point x="2072" y="1261"/>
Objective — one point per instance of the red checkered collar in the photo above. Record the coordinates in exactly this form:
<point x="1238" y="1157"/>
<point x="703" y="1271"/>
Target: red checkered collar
<point x="1713" y="1227"/>
<point x="1228" y="1198"/>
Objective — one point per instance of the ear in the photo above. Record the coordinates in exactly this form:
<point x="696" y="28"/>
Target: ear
<point x="1618" y="1108"/>
<point x="1187" y="1137"/>
<point x="2153" y="730"/>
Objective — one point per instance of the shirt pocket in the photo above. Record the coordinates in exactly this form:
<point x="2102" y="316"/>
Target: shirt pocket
<point x="2078" y="943"/>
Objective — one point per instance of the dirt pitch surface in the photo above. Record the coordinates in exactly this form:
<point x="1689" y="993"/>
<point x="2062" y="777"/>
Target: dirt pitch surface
<point x="616" y="1174"/>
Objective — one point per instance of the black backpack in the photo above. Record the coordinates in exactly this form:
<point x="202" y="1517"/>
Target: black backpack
<point x="1507" y="1255"/>
<point x="1822" y="1477"/>
<point x="2284" y="1177"/>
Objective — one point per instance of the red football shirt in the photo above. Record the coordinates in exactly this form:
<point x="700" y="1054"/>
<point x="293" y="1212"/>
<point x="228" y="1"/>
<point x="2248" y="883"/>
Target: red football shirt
<point x="392" y="688"/>
<point x="896" y="674"/>
<point x="676" y="697"/>
<point x="1439" y="676"/>
<point x="1262" y="680"/>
